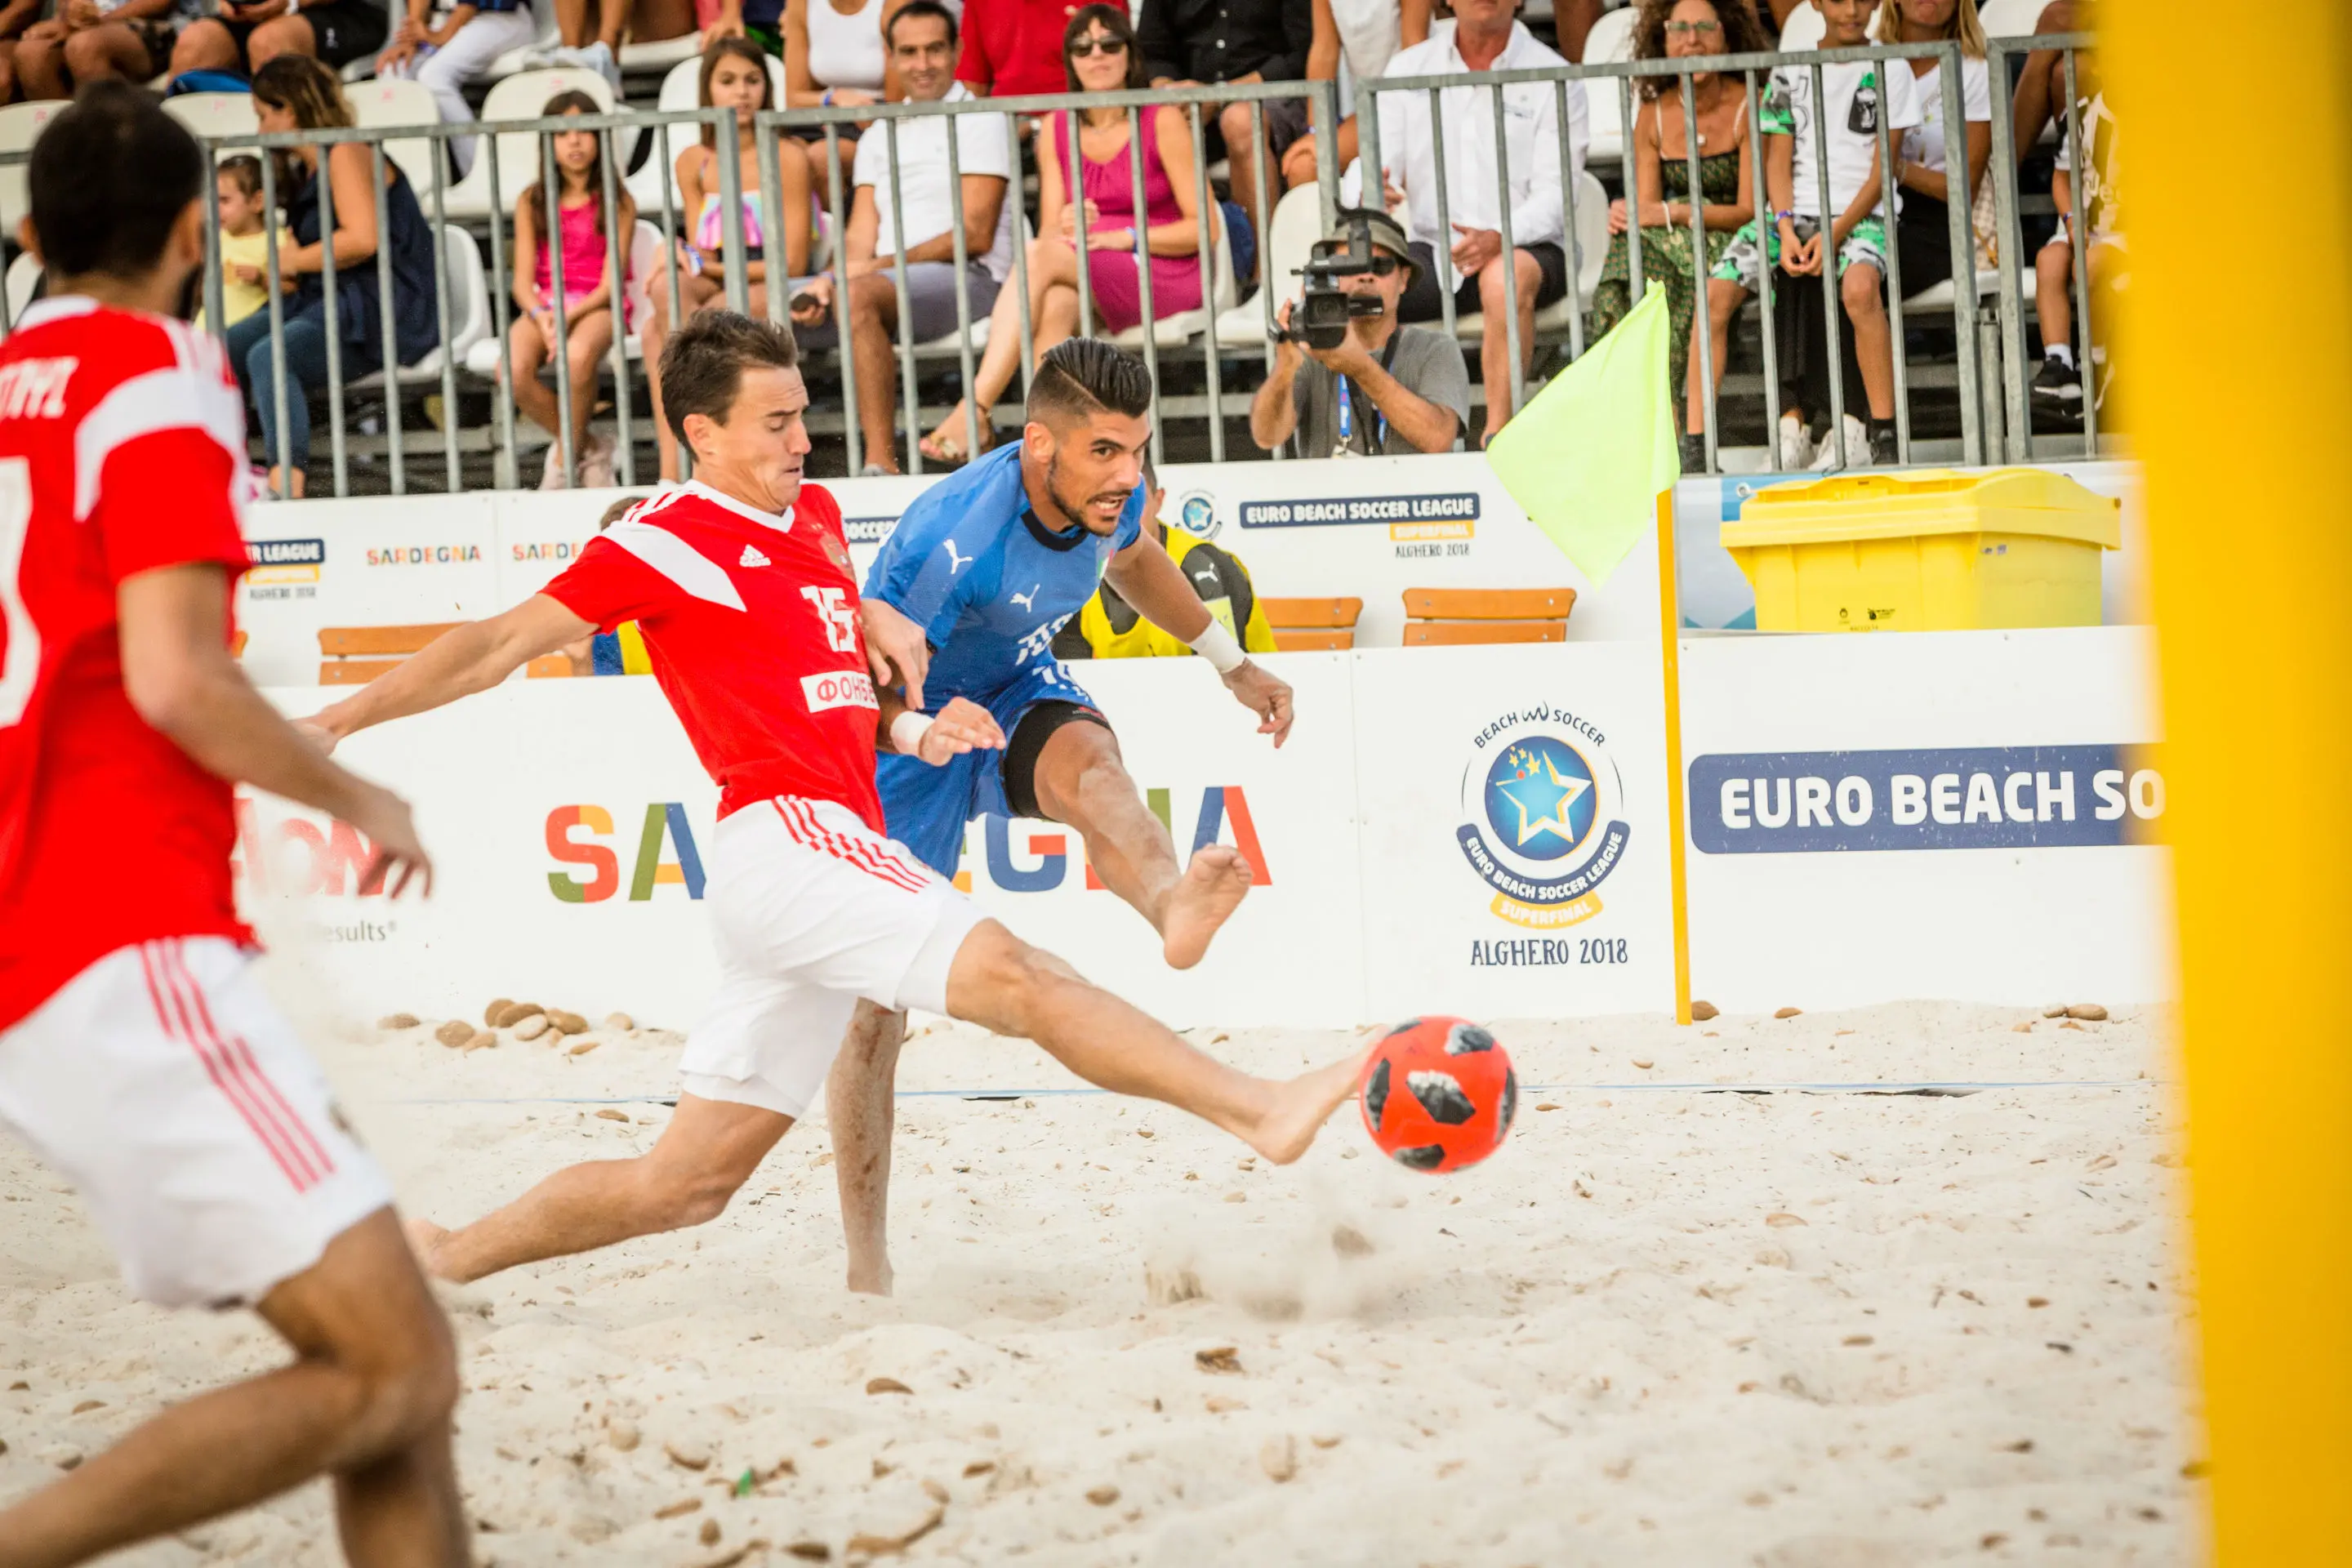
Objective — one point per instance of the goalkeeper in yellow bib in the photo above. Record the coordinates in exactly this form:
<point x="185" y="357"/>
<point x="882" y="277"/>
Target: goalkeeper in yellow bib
<point x="1110" y="627"/>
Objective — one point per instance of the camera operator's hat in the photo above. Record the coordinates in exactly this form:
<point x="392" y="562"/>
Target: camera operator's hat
<point x="1384" y="232"/>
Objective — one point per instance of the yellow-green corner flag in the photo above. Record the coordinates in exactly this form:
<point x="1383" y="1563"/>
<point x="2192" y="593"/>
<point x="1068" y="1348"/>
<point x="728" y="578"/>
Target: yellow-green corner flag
<point x="1587" y="458"/>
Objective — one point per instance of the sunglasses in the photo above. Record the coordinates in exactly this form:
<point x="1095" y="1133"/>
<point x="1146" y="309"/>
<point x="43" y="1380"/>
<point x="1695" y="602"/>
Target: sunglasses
<point x="1094" y="44"/>
<point x="1693" y="29"/>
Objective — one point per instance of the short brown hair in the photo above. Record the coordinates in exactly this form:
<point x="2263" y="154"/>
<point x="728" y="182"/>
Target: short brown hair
<point x="702" y="364"/>
<point x="738" y="48"/>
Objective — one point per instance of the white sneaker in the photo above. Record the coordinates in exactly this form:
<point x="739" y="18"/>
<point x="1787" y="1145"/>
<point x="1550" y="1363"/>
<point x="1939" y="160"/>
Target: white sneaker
<point x="551" y="477"/>
<point x="596" y="57"/>
<point x="1857" y="449"/>
<point x="1796" y="446"/>
<point x="596" y="455"/>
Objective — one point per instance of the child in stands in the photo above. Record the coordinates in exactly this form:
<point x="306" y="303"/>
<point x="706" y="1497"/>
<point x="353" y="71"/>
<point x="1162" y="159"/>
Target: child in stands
<point x="575" y="219"/>
<point x="244" y="240"/>
<point x="1798" y="236"/>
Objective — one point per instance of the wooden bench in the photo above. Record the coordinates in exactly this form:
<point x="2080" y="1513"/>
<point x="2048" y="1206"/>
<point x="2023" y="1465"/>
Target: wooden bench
<point x="1312" y="625"/>
<point x="1437" y="616"/>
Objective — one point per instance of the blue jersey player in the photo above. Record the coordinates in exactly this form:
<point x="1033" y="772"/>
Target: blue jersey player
<point x="964" y="601"/>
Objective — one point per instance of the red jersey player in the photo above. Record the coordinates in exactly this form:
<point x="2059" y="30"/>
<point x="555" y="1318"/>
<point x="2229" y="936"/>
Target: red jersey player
<point x="741" y="584"/>
<point x="138" y="1054"/>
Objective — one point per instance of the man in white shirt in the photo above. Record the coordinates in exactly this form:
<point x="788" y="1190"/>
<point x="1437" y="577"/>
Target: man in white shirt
<point x="921" y="35"/>
<point x="1487" y="36"/>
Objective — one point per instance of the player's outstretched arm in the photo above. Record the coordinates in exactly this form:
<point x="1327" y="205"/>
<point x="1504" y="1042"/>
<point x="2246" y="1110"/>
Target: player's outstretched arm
<point x="1147" y="578"/>
<point x="178" y="674"/>
<point x="459" y="662"/>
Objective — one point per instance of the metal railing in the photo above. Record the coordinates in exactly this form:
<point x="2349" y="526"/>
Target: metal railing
<point x="1993" y="413"/>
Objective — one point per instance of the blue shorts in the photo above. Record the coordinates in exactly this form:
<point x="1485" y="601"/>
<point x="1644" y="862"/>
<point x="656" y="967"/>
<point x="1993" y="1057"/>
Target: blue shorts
<point x="925" y="808"/>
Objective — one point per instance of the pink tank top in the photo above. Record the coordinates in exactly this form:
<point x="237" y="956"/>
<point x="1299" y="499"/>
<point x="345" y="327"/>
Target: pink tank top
<point x="583" y="257"/>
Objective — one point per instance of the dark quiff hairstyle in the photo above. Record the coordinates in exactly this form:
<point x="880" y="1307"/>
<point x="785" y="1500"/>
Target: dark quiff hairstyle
<point x="1080" y="377"/>
<point x="1114" y="22"/>
<point x="108" y="179"/>
<point x="739" y="49"/>
<point x="1742" y="35"/>
<point x="919" y="8"/>
<point x="702" y="365"/>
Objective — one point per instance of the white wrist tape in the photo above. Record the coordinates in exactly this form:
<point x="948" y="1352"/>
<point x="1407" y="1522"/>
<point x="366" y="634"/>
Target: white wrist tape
<point x="1217" y="645"/>
<point x="907" y="730"/>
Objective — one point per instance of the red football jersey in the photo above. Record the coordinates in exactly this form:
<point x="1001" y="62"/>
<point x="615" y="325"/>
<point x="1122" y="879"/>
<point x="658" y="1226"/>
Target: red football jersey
<point x="121" y="450"/>
<point x="750" y="622"/>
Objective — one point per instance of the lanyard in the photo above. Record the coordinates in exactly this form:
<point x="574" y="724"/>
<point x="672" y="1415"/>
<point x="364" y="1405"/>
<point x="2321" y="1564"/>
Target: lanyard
<point x="1345" y="448"/>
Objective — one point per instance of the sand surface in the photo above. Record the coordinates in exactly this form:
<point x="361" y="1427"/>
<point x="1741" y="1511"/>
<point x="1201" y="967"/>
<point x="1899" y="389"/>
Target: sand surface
<point x="1662" y="1326"/>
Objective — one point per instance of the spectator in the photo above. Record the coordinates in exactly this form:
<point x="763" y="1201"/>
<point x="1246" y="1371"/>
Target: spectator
<point x="1101" y="57"/>
<point x="734" y="76"/>
<point x="90" y="40"/>
<point x="1682" y="29"/>
<point x="837" y="58"/>
<point x="243" y="37"/>
<point x="1110" y="627"/>
<point x="1365" y="35"/>
<point x="1012" y="48"/>
<point x="578" y="218"/>
<point x="1925" y="236"/>
<point x="460" y="50"/>
<point x="2090" y="211"/>
<point x="1854" y="100"/>
<point x="1486" y="36"/>
<point x="592" y="31"/>
<point x="923" y="54"/>
<point x="244" y="240"/>
<point x="621" y="650"/>
<point x="1387" y="388"/>
<point x="295" y="92"/>
<point x="15" y="18"/>
<point x="2041" y="96"/>
<point x="1193" y="43"/>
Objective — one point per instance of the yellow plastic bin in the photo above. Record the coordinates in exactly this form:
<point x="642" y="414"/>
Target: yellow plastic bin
<point x="1925" y="549"/>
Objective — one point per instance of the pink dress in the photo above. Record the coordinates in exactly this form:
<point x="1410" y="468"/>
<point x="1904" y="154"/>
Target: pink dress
<point x="1175" y="279"/>
<point x="583" y="259"/>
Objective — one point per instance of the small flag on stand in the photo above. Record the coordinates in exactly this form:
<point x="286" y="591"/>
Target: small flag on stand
<point x="1587" y="457"/>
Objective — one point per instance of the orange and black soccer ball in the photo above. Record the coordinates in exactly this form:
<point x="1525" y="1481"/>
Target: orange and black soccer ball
<point x="1438" y="1094"/>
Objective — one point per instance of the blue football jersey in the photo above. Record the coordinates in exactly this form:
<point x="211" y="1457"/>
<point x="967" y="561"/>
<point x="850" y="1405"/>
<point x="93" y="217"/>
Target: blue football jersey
<point x="989" y="583"/>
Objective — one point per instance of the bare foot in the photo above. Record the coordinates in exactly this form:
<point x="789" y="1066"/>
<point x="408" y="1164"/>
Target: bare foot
<point x="1208" y="893"/>
<point x="424" y="1238"/>
<point x="1302" y="1105"/>
<point x="871" y="1281"/>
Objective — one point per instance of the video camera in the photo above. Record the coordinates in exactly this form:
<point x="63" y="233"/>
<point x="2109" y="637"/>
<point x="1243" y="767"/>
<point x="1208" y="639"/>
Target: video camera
<point x="1320" y="320"/>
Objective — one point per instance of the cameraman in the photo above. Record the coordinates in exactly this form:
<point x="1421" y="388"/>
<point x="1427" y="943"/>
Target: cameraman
<point x="1385" y="389"/>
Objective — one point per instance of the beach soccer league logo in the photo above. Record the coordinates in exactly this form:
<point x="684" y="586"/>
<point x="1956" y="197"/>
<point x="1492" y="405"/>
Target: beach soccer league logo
<point x="1539" y="799"/>
<point x="1195" y="511"/>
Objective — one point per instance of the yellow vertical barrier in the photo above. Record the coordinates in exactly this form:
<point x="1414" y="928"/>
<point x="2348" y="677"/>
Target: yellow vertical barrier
<point x="2236" y="361"/>
<point x="1669" y="632"/>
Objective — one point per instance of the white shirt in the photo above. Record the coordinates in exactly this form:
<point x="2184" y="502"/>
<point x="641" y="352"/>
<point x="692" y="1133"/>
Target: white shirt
<point x="984" y="146"/>
<point x="1850" y="91"/>
<point x="1531" y="131"/>
<point x="1924" y="144"/>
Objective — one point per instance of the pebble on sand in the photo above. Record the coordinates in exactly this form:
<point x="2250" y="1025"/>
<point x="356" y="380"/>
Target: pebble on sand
<point x="398" y="1021"/>
<point x="679" y="1508"/>
<point x="531" y="1025"/>
<point x="2089" y="1012"/>
<point x="453" y="1033"/>
<point x="619" y="1023"/>
<point x="491" y="1014"/>
<point x="582" y="1048"/>
<point x="482" y="1040"/>
<point x="687" y="1455"/>
<point x="1102" y="1496"/>
<point x="1787" y="1012"/>
<point x="1224" y="1358"/>
<point x="514" y="1013"/>
<point x="621" y="1434"/>
<point x="609" y="1114"/>
<point x="1278" y="1458"/>
<point x="570" y="1023"/>
<point x="886" y="1386"/>
<point x="708" y="1534"/>
<point x="1704" y="1012"/>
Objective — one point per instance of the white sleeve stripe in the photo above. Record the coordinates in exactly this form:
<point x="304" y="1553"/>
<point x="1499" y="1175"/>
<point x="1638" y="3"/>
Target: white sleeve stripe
<point x="675" y="559"/>
<point x="174" y="399"/>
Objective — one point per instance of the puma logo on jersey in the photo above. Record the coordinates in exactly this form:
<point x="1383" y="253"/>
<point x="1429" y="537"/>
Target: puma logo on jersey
<point x="752" y="557"/>
<point x="957" y="561"/>
<point x="1027" y="601"/>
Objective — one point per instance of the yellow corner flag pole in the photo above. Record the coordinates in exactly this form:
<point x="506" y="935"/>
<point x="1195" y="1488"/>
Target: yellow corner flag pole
<point x="2256" y="649"/>
<point x="1670" y="631"/>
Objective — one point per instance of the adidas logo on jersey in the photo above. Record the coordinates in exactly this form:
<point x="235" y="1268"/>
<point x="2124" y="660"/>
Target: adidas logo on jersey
<point x="752" y="557"/>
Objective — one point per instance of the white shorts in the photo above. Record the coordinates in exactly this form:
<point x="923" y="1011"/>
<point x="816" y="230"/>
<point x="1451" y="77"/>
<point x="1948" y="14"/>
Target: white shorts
<point x="813" y="909"/>
<point x="163" y="1084"/>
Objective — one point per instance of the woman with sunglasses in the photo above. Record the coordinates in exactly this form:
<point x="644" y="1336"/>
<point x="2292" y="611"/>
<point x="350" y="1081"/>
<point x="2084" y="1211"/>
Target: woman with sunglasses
<point x="1100" y="54"/>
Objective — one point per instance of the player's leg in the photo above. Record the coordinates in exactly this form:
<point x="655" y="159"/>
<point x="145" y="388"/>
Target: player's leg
<point x="1003" y="984"/>
<point x="367" y="1402"/>
<point x="1062" y="762"/>
<point x="709" y="1150"/>
<point x="860" y="1103"/>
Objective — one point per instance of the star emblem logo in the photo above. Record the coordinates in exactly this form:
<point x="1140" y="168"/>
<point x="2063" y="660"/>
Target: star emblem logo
<point x="1542" y="796"/>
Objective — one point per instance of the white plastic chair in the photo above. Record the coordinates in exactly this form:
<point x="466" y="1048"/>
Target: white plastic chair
<point x="524" y="97"/>
<point x="1938" y="296"/>
<point x="23" y="273"/>
<point x="678" y="90"/>
<point x="216" y="114"/>
<point x="663" y="53"/>
<point x="1804" y="29"/>
<point x="2009" y="19"/>
<point x="20" y="126"/>
<point x="1291" y="231"/>
<point x="1592" y="239"/>
<point x="397" y="100"/>
<point x="514" y="62"/>
<point x="1609" y="42"/>
<point x="470" y="314"/>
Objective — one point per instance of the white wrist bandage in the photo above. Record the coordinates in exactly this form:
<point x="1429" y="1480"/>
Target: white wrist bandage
<point x="1217" y="645"/>
<point x="907" y="730"/>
